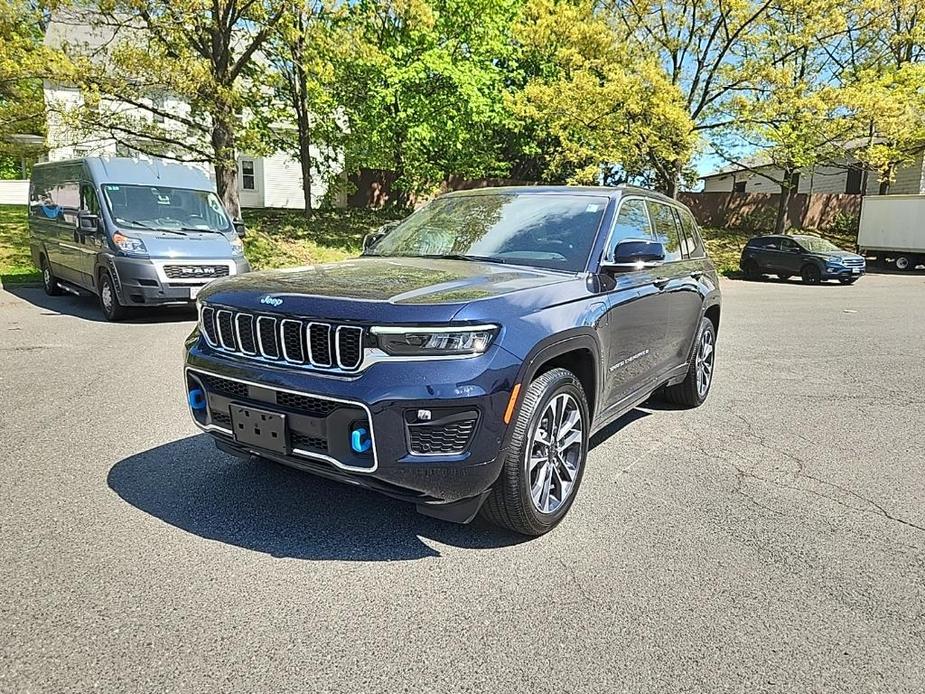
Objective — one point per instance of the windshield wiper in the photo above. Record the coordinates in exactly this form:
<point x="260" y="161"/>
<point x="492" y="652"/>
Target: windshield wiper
<point x="469" y="258"/>
<point x="145" y="225"/>
<point x="207" y="231"/>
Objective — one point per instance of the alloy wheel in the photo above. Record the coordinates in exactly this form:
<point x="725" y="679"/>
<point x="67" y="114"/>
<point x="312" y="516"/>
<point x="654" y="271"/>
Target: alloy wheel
<point x="704" y="364"/>
<point x="106" y="296"/>
<point x="555" y="454"/>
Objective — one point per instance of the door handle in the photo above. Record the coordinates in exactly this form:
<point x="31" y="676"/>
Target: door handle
<point x="661" y="282"/>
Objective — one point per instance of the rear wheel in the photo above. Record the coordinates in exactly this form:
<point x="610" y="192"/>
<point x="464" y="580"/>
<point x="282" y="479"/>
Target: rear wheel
<point x="49" y="281"/>
<point x="904" y="262"/>
<point x="811" y="274"/>
<point x="694" y="389"/>
<point x="546" y="459"/>
<point x="109" y="299"/>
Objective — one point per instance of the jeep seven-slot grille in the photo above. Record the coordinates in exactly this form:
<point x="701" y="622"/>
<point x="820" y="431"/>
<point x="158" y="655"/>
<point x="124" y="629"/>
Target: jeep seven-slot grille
<point x="290" y="340"/>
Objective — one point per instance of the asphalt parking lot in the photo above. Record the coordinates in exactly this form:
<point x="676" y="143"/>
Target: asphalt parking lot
<point x="773" y="540"/>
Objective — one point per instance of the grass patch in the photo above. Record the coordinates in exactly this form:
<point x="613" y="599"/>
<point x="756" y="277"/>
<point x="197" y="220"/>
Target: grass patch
<point x="725" y="246"/>
<point x="15" y="260"/>
<point x="285" y="238"/>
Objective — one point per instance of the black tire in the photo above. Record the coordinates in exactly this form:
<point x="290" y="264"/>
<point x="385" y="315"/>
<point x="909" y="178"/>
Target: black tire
<point x="751" y="270"/>
<point x="49" y="281"/>
<point x="688" y="392"/>
<point x="811" y="274"/>
<point x="904" y="262"/>
<point x="784" y="277"/>
<point x="847" y="280"/>
<point x="510" y="503"/>
<point x="109" y="299"/>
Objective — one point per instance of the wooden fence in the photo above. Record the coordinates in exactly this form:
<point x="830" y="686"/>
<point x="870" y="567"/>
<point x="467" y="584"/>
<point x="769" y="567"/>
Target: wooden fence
<point x="757" y="211"/>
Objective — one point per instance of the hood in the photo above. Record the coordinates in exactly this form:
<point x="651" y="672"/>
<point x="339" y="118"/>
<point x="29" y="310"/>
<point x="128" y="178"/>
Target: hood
<point x="839" y="255"/>
<point x="204" y="245"/>
<point x="371" y="288"/>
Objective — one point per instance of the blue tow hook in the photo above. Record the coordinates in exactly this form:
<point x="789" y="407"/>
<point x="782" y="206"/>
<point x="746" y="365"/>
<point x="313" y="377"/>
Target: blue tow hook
<point x="197" y="399"/>
<point x="359" y="441"/>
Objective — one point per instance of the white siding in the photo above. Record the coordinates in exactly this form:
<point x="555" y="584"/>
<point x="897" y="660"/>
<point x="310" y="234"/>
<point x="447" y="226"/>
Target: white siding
<point x="15" y="192"/>
<point x="282" y="179"/>
<point x="908" y="179"/>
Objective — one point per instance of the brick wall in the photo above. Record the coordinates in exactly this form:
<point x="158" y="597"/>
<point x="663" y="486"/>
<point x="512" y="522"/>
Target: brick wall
<point x="757" y="211"/>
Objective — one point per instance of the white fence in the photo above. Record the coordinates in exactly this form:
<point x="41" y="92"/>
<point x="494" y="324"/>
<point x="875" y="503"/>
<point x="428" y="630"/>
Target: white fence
<point x="14" y="192"/>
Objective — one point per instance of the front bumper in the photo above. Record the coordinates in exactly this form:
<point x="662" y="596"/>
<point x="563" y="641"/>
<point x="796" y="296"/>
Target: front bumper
<point x="141" y="281"/>
<point x="387" y="396"/>
<point x="833" y="273"/>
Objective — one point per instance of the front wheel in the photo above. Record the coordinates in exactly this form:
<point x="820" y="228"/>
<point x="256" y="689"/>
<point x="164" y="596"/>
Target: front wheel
<point x="811" y="274"/>
<point x="546" y="458"/>
<point x="109" y="299"/>
<point x="694" y="389"/>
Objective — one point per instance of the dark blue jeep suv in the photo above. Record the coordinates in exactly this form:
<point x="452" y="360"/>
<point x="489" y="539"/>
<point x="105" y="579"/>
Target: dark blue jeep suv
<point x="464" y="360"/>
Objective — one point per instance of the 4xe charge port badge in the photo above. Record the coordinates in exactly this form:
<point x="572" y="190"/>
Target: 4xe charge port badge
<point x="259" y="428"/>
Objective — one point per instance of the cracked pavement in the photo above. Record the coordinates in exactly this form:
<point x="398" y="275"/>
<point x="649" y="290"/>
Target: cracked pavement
<point x="770" y="541"/>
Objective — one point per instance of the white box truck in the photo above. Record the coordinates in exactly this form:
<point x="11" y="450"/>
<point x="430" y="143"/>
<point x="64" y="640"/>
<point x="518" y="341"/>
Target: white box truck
<point x="892" y="230"/>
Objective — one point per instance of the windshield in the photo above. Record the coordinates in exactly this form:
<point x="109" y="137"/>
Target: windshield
<point x="816" y="245"/>
<point x="163" y="207"/>
<point x="549" y="231"/>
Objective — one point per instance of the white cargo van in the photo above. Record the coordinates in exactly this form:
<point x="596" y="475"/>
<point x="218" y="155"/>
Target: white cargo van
<point x="892" y="230"/>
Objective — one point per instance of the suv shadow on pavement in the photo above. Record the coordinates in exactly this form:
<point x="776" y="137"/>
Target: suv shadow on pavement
<point x="88" y="308"/>
<point x="266" y="507"/>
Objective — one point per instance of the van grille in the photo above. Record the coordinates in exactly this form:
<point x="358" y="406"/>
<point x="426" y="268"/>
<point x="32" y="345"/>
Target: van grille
<point x="289" y="340"/>
<point x="195" y="272"/>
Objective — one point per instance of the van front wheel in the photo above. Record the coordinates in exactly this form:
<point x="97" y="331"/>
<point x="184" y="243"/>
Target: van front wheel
<point x="109" y="299"/>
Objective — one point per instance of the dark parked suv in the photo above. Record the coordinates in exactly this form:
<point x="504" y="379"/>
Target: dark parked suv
<point x="463" y="362"/>
<point x="812" y="258"/>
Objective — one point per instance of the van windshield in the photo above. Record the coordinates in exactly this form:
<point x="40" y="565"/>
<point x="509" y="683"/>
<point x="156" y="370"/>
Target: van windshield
<point x="163" y="207"/>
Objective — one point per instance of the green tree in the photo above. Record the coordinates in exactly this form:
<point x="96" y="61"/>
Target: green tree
<point x="602" y="105"/>
<point x="176" y="78"/>
<point x="788" y="107"/>
<point x="422" y="84"/>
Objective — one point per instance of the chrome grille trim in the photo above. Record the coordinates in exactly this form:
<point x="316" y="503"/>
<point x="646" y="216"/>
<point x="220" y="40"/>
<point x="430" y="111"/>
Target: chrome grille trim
<point x="257" y="329"/>
<point x="218" y="329"/>
<point x="311" y="350"/>
<point x="282" y="340"/>
<point x="260" y="346"/>
<point x="237" y="326"/>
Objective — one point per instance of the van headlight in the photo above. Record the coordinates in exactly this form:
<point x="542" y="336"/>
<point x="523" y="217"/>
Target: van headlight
<point x="436" y="342"/>
<point x="129" y="244"/>
<point x="237" y="246"/>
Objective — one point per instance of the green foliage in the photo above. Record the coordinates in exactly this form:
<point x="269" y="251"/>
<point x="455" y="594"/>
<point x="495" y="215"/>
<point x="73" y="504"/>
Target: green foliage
<point x="603" y="105"/>
<point x="15" y="258"/>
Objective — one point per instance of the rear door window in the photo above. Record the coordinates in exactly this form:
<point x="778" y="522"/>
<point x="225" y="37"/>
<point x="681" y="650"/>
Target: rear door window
<point x="666" y="229"/>
<point x="691" y="244"/>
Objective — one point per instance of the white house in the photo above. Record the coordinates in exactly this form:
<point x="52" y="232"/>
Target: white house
<point x="820" y="179"/>
<point x="270" y="181"/>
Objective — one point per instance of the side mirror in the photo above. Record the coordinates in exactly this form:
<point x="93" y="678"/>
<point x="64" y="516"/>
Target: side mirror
<point x="635" y="254"/>
<point x="88" y="223"/>
<point x="239" y="227"/>
<point x="372" y="238"/>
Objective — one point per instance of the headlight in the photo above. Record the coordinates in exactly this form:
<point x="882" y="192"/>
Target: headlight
<point x="422" y="342"/>
<point x="237" y="247"/>
<point x="129" y="244"/>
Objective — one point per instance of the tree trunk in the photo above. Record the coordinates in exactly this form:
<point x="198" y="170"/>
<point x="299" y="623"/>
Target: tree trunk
<point x="783" y="202"/>
<point x="885" y="181"/>
<point x="226" y="161"/>
<point x="674" y="179"/>
<point x="305" y="161"/>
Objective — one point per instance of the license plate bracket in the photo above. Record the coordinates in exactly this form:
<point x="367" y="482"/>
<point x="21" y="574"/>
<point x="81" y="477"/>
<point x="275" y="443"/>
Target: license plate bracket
<point x="261" y="428"/>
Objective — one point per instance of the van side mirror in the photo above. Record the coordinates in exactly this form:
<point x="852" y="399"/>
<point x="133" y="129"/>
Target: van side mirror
<point x="239" y="227"/>
<point x="635" y="254"/>
<point x="88" y="223"/>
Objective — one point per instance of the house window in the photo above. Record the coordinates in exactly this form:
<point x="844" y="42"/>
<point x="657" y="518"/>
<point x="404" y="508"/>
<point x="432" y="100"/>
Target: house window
<point x="853" y="181"/>
<point x="248" y="180"/>
<point x="738" y="187"/>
